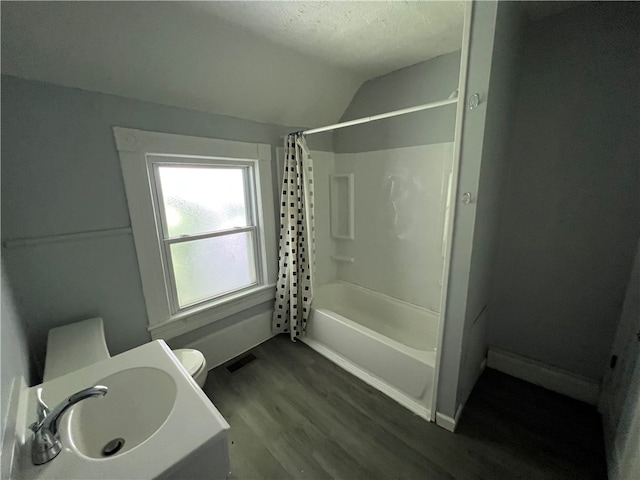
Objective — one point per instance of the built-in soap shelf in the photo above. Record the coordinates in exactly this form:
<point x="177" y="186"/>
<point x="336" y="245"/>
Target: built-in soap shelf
<point x="342" y="206"/>
<point x="342" y="258"/>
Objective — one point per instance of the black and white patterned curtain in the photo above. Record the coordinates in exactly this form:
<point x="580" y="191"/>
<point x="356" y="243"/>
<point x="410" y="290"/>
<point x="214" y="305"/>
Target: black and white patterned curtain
<point x="296" y="265"/>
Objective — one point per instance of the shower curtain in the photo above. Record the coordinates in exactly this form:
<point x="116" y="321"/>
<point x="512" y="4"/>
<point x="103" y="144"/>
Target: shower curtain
<point x="296" y="264"/>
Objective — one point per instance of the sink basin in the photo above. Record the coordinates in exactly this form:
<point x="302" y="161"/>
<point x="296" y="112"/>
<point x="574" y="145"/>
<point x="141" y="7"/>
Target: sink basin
<point x="120" y="421"/>
<point x="154" y="423"/>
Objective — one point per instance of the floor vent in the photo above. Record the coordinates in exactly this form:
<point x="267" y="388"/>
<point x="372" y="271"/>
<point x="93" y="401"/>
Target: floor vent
<point x="241" y="362"/>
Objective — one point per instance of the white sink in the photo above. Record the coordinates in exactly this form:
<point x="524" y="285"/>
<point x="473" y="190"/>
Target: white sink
<point x="121" y="419"/>
<point x="154" y="422"/>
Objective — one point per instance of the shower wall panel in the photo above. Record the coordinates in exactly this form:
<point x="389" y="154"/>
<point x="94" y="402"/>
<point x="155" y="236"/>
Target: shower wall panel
<point x="400" y="197"/>
<point x="326" y="269"/>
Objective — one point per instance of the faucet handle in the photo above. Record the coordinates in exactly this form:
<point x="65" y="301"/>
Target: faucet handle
<point x="42" y="409"/>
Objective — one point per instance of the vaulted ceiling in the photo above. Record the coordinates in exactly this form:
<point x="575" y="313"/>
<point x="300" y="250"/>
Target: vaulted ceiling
<point x="290" y="63"/>
<point x="366" y="38"/>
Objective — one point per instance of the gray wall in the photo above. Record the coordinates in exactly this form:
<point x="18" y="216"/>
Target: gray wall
<point x="61" y="174"/>
<point x="424" y="82"/>
<point x="14" y="352"/>
<point x="501" y="109"/>
<point x="573" y="192"/>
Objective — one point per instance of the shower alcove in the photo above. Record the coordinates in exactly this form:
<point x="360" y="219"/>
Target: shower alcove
<point x="383" y="223"/>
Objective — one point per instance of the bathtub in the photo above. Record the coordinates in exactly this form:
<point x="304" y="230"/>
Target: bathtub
<point x="385" y="342"/>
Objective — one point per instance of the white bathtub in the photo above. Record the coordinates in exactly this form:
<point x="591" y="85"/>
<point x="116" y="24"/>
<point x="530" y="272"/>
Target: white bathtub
<point x="388" y="343"/>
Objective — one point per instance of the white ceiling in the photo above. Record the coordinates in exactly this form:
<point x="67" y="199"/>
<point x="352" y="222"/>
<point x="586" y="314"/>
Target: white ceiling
<point x="291" y="63"/>
<point x="368" y="38"/>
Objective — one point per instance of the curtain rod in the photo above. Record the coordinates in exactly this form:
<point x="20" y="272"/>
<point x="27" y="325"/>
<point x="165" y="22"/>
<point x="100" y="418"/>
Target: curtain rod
<point x="453" y="98"/>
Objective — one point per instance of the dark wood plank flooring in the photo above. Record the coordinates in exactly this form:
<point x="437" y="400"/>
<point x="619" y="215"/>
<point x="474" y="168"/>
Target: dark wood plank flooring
<point x="294" y="414"/>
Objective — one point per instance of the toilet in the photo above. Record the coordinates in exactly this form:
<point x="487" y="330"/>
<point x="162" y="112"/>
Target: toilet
<point x="77" y="345"/>
<point x="194" y="362"/>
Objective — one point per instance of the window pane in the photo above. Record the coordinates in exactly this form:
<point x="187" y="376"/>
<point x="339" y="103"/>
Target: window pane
<point x="202" y="199"/>
<point x="209" y="267"/>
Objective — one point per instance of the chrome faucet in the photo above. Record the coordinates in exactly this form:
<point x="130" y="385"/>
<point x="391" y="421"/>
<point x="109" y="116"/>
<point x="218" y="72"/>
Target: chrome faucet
<point x="46" y="439"/>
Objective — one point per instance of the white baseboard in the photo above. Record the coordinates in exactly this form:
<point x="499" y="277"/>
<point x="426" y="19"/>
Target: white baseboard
<point x="220" y="347"/>
<point x="547" y="376"/>
<point x="390" y="391"/>
<point x="483" y="365"/>
<point x="446" y="422"/>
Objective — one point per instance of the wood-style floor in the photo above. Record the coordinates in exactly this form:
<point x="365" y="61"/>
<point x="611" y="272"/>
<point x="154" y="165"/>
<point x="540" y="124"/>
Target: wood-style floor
<point x="294" y="414"/>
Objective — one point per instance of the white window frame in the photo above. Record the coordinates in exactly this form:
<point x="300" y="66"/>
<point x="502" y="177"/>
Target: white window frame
<point x="139" y="152"/>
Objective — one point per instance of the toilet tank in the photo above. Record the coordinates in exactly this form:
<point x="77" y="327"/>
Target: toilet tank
<point x="74" y="346"/>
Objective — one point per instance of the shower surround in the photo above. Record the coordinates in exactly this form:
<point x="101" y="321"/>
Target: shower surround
<point x="376" y="310"/>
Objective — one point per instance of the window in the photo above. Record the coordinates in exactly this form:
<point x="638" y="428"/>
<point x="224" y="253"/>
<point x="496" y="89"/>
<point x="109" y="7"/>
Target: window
<point x="203" y="225"/>
<point x="207" y="229"/>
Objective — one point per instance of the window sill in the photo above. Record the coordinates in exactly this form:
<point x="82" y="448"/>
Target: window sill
<point x="187" y="322"/>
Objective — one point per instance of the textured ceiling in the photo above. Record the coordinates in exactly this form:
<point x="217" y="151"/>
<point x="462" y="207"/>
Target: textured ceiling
<point x="290" y="63"/>
<point x="370" y="38"/>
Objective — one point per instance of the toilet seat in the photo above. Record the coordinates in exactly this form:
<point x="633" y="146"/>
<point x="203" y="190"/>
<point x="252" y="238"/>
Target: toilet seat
<point x="190" y="359"/>
<point x="194" y="362"/>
